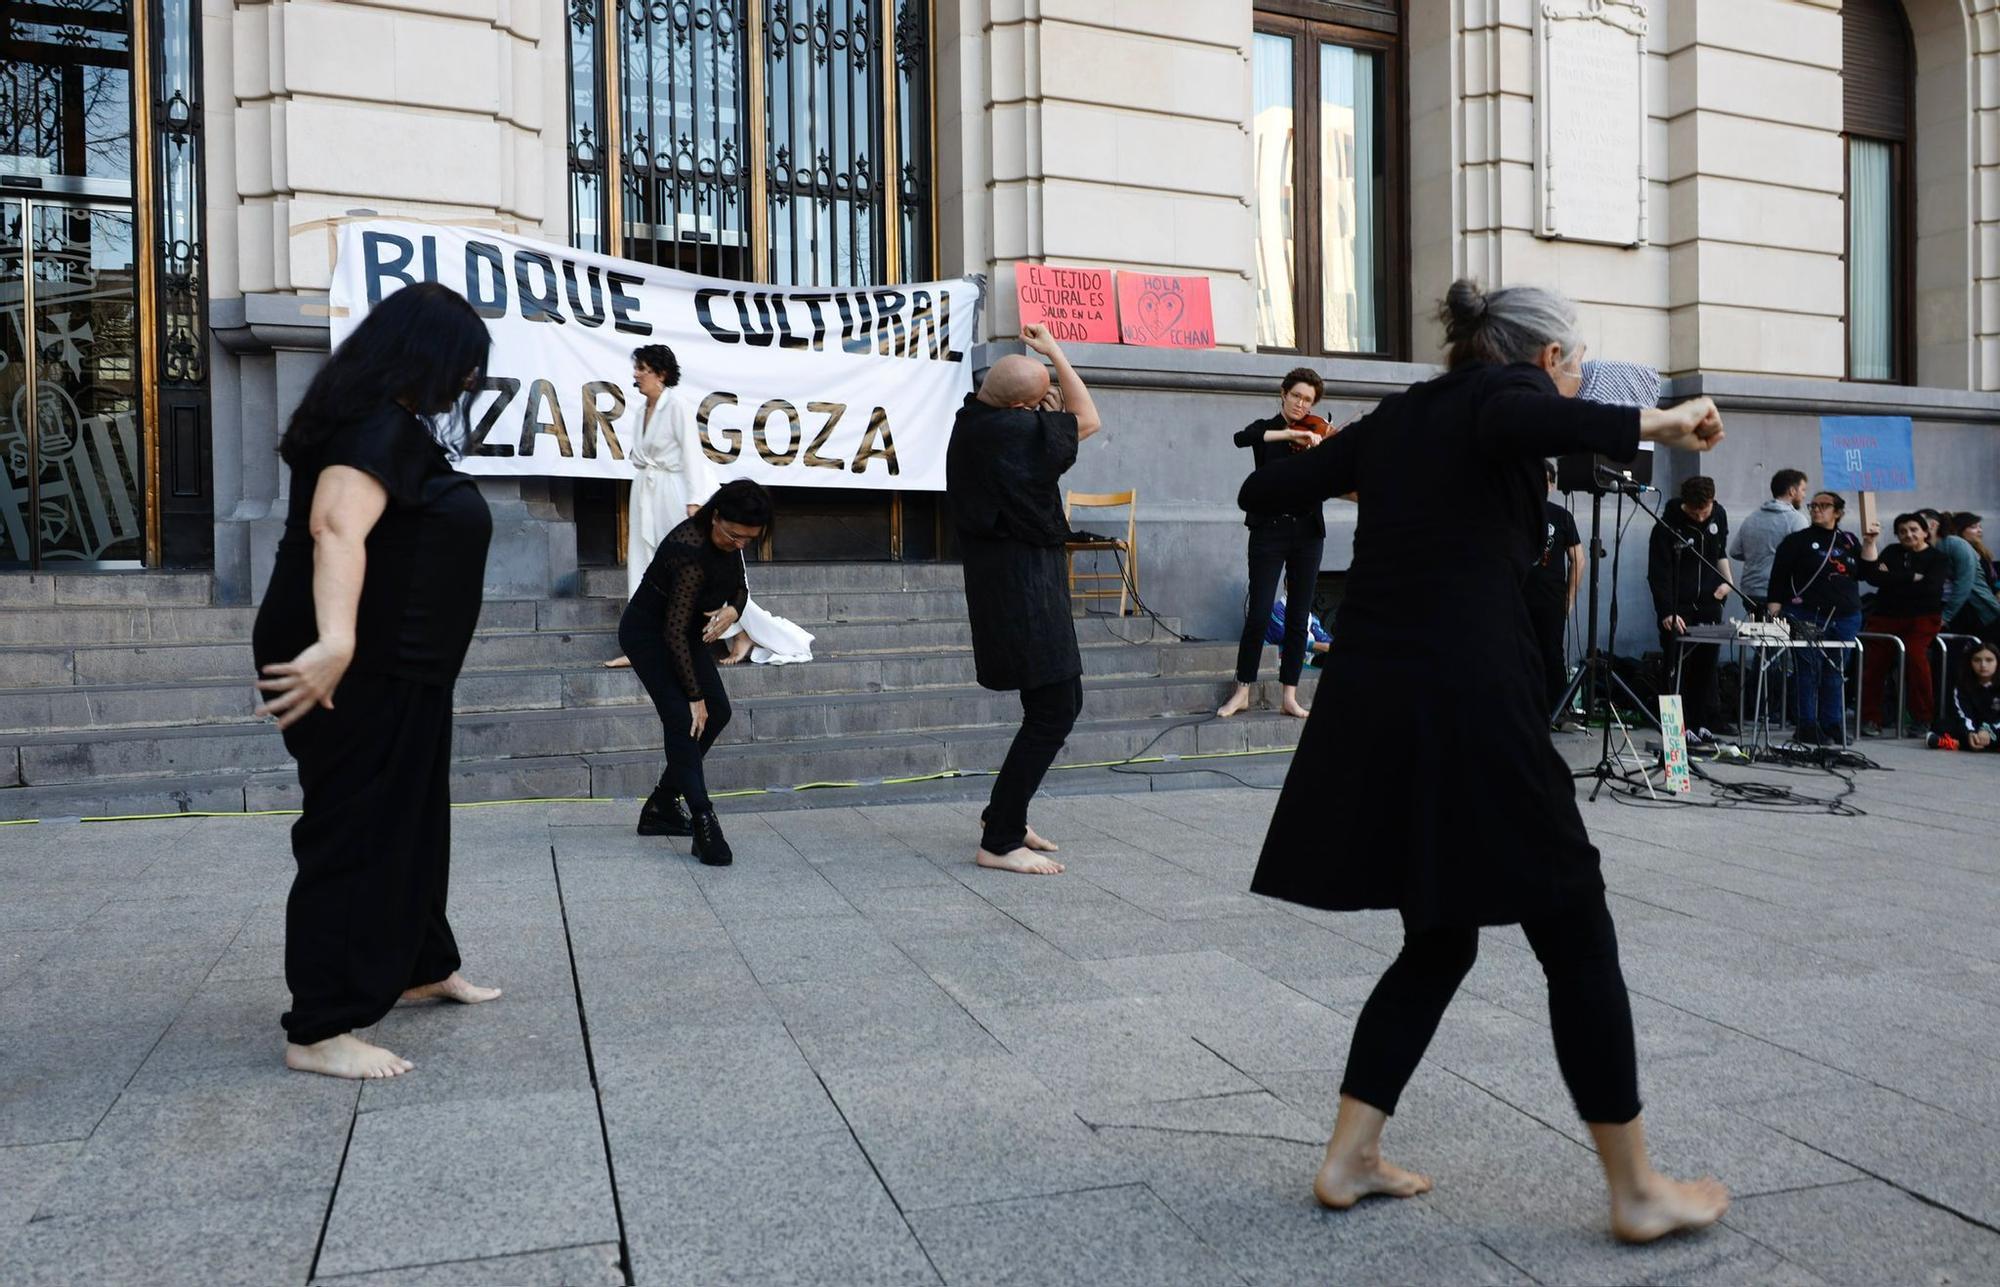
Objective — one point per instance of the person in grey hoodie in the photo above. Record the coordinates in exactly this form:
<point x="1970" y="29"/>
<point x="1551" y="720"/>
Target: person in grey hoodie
<point x="1755" y="543"/>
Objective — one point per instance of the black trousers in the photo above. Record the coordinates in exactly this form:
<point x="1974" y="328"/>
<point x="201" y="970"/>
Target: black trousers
<point x="1550" y="615"/>
<point x="366" y="917"/>
<point x="641" y="632"/>
<point x="1048" y="714"/>
<point x="1279" y="548"/>
<point x="1701" y="701"/>
<point x="1588" y="1010"/>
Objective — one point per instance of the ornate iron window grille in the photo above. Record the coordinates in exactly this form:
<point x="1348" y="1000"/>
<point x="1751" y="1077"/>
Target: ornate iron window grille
<point x="757" y="139"/>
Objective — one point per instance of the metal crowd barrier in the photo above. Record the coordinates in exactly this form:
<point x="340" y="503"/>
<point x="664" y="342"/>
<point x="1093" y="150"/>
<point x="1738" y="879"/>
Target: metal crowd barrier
<point x="1902" y="678"/>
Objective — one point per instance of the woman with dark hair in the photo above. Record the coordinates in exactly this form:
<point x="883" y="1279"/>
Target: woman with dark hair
<point x="1399" y="822"/>
<point x="690" y="595"/>
<point x="1970" y="605"/>
<point x="370" y="609"/>
<point x="671" y="475"/>
<point x="1283" y="544"/>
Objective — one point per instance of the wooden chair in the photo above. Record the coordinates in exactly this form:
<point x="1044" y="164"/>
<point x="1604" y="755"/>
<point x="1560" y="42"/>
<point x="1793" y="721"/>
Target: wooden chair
<point x="1085" y="586"/>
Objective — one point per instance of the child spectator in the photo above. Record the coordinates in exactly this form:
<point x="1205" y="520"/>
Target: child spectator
<point x="1971" y="719"/>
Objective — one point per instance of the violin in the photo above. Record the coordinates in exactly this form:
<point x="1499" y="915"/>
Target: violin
<point x="1313" y="425"/>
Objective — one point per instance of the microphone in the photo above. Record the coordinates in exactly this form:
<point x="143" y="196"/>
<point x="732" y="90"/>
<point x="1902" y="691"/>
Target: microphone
<point x="1616" y="480"/>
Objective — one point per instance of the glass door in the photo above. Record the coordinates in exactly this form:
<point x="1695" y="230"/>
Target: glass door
<point x="71" y="465"/>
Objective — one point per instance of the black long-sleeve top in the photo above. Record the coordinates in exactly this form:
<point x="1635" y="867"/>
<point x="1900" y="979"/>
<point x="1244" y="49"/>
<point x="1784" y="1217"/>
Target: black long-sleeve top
<point x="695" y="578"/>
<point x="1971" y="708"/>
<point x="1310" y="520"/>
<point x="1682" y="556"/>
<point x="1813" y="571"/>
<point x="1908" y="584"/>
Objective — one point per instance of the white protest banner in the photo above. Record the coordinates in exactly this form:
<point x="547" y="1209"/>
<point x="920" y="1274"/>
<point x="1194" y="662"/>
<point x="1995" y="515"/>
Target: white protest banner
<point x="794" y="386"/>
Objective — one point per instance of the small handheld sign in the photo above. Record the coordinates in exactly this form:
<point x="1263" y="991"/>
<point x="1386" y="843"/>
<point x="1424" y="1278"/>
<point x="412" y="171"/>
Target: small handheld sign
<point x="1674" y="744"/>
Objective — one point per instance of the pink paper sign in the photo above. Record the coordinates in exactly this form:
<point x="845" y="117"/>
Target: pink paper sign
<point x="1078" y="305"/>
<point x="1165" y="312"/>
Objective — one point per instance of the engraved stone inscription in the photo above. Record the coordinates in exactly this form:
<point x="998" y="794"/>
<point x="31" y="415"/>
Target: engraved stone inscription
<point x="1590" y="163"/>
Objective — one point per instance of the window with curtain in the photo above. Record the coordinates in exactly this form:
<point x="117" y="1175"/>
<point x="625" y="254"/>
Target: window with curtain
<point x="1326" y="184"/>
<point x="1877" y="79"/>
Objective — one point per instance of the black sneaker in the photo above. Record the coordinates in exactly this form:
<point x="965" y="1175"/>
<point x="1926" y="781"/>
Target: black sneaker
<point x="1806" y="735"/>
<point x="664" y="814"/>
<point x="1830" y="735"/>
<point x="709" y="846"/>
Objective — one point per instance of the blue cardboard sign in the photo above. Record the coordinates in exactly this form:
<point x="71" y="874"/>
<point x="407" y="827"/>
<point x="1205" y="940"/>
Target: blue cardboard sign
<point x="1866" y="454"/>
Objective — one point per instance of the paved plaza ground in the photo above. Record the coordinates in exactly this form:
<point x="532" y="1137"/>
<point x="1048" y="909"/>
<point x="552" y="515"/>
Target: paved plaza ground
<point x="855" y="1058"/>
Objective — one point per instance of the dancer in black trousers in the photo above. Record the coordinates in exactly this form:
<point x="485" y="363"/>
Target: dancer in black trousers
<point x="1283" y="545"/>
<point x="370" y="610"/>
<point x="1473" y="821"/>
<point x="1006" y="458"/>
<point x="692" y="592"/>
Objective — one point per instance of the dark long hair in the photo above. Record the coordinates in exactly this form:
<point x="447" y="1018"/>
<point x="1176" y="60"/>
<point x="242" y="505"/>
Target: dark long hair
<point x="1968" y="680"/>
<point x="417" y="347"/>
<point x="740" y="501"/>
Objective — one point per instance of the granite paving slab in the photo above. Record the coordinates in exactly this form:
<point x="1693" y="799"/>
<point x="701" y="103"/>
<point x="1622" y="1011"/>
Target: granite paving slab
<point x="1111" y="1237"/>
<point x="854" y="1057"/>
<point x="498" y="1176"/>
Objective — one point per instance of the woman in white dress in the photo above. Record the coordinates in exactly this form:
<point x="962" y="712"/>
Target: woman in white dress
<point x="671" y="478"/>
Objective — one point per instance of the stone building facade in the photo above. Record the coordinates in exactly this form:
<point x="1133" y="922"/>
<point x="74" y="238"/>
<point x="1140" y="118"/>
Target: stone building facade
<point x="1818" y="188"/>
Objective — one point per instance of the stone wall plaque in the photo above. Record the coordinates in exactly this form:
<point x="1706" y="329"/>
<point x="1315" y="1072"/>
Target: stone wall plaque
<point x="1590" y="116"/>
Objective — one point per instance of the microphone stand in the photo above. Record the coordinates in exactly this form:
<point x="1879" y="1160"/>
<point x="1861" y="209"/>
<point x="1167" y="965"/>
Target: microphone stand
<point x="1597" y="670"/>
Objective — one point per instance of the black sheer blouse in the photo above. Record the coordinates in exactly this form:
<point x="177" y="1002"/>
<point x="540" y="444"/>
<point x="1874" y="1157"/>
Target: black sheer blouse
<point x="695" y="578"/>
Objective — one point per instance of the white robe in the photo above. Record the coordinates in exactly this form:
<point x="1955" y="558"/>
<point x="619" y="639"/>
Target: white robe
<point x="669" y="473"/>
<point x="774" y="641"/>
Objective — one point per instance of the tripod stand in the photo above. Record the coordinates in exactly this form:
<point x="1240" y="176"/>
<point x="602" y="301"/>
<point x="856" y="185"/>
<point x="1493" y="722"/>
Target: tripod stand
<point x="1596" y="670"/>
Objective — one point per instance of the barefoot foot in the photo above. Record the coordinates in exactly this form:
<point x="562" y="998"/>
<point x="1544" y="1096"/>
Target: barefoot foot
<point x="1040" y="845"/>
<point x="345" y="1056"/>
<point x="1665" y="1206"/>
<point x="1023" y="860"/>
<point x="1295" y="710"/>
<point x="1237" y="704"/>
<point x="1342" y="1182"/>
<point x="452" y="987"/>
<point x="618" y="663"/>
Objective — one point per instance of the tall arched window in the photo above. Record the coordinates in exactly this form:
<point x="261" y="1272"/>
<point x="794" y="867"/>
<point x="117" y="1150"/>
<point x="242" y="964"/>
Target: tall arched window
<point x="1879" y="79"/>
<point x="776" y="141"/>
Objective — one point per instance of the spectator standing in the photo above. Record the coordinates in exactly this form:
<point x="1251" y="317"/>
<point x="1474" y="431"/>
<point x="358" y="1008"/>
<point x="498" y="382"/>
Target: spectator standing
<point x="1282" y="543"/>
<point x="1970" y="607"/>
<point x="1687" y="566"/>
<point x="1813" y="584"/>
<point x="1756" y="539"/>
<point x="1551" y="591"/>
<point x="1909" y="579"/>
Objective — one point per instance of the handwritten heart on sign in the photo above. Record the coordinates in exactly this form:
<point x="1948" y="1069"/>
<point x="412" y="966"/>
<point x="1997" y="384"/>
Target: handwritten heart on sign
<point x="1160" y="310"/>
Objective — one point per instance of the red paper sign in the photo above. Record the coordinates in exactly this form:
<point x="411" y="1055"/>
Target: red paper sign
<point x="1165" y="312"/>
<point x="1074" y="303"/>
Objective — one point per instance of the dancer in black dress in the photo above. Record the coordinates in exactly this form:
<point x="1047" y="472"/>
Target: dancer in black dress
<point x="370" y="610"/>
<point x="692" y="592"/>
<point x="1473" y="821"/>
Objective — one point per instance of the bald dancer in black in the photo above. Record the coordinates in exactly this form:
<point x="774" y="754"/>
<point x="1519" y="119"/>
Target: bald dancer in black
<point x="1002" y="473"/>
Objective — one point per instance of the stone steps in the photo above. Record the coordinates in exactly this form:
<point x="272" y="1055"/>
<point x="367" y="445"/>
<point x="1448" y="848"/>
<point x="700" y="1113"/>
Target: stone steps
<point x="628" y="775"/>
<point x="59" y="668"/>
<point x="83" y="755"/>
<point x="114" y="699"/>
<point x="581" y="681"/>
